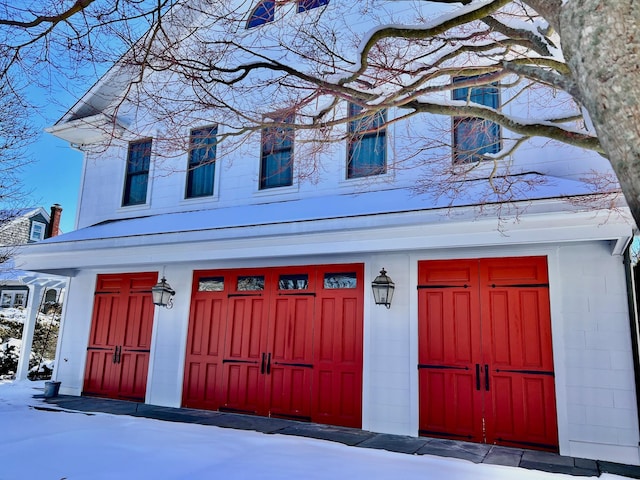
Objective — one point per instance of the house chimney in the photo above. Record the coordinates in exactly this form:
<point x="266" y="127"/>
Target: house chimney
<point x="54" y="223"/>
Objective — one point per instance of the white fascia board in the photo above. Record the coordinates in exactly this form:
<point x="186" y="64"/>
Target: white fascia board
<point x="89" y="130"/>
<point x="267" y="242"/>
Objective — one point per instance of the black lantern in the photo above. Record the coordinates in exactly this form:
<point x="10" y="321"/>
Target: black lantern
<point x="162" y="294"/>
<point x="383" y="288"/>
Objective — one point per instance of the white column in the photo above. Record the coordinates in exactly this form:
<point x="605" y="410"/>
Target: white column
<point x="35" y="295"/>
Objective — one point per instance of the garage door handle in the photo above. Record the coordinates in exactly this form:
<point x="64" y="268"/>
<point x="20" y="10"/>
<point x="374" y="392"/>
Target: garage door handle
<point x="264" y="356"/>
<point x="116" y="354"/>
<point x="486" y="377"/>
<point x="268" y="364"/>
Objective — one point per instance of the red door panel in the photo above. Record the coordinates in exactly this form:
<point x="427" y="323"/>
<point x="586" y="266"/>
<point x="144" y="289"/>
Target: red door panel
<point x="291" y="365"/>
<point x="120" y="338"/>
<point x="508" y="325"/>
<point x="289" y="346"/>
<point x="338" y="341"/>
<point x="205" y="344"/>
<point x="518" y="350"/>
<point x="450" y="403"/>
<point x="244" y="354"/>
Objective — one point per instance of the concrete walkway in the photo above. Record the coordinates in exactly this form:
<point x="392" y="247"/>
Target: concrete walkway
<point x="473" y="452"/>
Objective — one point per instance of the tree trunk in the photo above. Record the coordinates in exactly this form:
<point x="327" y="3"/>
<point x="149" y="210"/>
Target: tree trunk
<point x="601" y="43"/>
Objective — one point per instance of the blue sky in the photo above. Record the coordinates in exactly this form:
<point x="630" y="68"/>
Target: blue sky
<point x="53" y="176"/>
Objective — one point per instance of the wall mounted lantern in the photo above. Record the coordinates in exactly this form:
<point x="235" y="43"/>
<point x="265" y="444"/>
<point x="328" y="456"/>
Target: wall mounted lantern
<point x="383" y="288"/>
<point x="162" y="294"/>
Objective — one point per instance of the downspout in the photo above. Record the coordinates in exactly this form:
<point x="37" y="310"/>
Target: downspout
<point x="633" y="323"/>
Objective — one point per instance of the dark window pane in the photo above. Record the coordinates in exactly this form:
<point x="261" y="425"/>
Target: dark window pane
<point x="276" y="169"/>
<point x="293" y="282"/>
<point x="139" y="157"/>
<point x="474" y="137"/>
<point x="211" y="284"/>
<point x="340" y="280"/>
<point x="367" y="150"/>
<point x="137" y="175"/>
<point x="263" y="13"/>
<point x="202" y="156"/>
<point x="250" y="283"/>
<point x="304" y="5"/>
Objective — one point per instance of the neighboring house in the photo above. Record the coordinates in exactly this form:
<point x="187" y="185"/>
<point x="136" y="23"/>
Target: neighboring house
<point x="26" y="226"/>
<point x="509" y="323"/>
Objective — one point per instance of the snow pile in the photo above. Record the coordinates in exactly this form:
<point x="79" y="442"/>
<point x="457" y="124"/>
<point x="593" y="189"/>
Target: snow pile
<point x="50" y="444"/>
<point x="43" y="349"/>
<point x="14" y="314"/>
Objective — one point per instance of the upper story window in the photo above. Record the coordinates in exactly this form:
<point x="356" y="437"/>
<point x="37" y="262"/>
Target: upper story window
<point x="263" y="13"/>
<point x="304" y="5"/>
<point x="201" y="166"/>
<point x="367" y="149"/>
<point x="473" y="137"/>
<point x="276" y="165"/>
<point x="266" y="9"/>
<point x="37" y="231"/>
<point x="137" y="175"/>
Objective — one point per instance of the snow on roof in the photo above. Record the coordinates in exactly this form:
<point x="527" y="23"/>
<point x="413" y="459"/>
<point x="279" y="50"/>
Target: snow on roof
<point x="533" y="186"/>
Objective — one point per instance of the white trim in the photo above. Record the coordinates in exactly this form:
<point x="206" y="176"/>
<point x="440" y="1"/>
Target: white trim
<point x="32" y="236"/>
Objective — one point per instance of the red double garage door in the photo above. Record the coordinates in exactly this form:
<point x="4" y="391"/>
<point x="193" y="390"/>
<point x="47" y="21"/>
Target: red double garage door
<point x="485" y="355"/>
<point x="279" y="342"/>
<point x="120" y="338"/>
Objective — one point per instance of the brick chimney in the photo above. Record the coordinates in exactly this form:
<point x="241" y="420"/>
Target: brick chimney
<point x="54" y="223"/>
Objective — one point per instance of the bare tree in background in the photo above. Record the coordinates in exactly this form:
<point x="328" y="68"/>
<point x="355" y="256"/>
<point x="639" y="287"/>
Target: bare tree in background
<point x="204" y="59"/>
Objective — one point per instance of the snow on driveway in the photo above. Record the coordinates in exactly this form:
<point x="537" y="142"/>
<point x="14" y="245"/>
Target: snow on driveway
<point x="46" y="445"/>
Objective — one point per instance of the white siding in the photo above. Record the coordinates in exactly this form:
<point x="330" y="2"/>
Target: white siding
<point x="597" y="358"/>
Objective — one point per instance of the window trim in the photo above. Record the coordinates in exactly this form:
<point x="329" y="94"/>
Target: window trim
<point x="211" y="162"/>
<point x="34" y="224"/>
<point x="353" y="137"/>
<point x="279" y="120"/>
<point x="494" y="146"/>
<point x="12" y="294"/>
<point x="128" y="175"/>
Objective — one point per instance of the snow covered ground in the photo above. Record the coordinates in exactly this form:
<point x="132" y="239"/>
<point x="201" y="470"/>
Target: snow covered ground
<point x="48" y="445"/>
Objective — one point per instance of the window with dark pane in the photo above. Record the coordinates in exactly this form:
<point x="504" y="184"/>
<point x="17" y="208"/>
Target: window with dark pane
<point x="367" y="150"/>
<point x="137" y="175"/>
<point x="340" y="280"/>
<point x="263" y="13"/>
<point x="293" y="282"/>
<point x="304" y="5"/>
<point x="201" y="167"/>
<point x="276" y="165"/>
<point x="250" y="283"/>
<point x="211" y="284"/>
<point x="473" y="137"/>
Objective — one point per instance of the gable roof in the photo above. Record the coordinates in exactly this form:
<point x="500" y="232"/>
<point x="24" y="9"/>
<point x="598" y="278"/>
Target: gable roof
<point x="18" y="214"/>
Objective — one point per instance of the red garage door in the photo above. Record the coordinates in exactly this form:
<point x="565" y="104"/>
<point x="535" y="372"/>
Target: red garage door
<point x="119" y="344"/>
<point x="283" y="342"/>
<point x="485" y="354"/>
